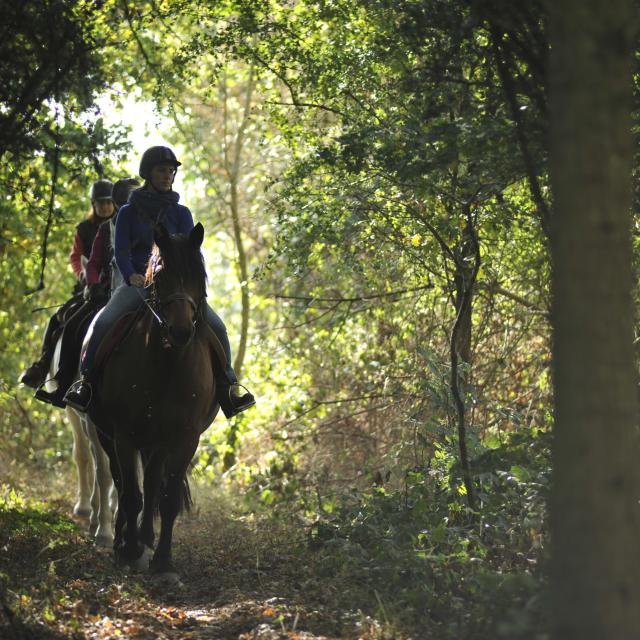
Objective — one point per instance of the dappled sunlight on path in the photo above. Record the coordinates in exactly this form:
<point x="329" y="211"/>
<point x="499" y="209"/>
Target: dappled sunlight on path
<point x="241" y="578"/>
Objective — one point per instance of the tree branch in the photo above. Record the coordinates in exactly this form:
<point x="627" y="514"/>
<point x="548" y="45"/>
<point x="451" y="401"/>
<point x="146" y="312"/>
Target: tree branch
<point x="507" y="84"/>
<point x="47" y="229"/>
<point x="340" y="300"/>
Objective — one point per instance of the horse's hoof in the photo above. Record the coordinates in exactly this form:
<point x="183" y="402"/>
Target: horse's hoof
<point x="103" y="540"/>
<point x="167" y="580"/>
<point x="81" y="512"/>
<point x="136" y="565"/>
<point x="142" y="563"/>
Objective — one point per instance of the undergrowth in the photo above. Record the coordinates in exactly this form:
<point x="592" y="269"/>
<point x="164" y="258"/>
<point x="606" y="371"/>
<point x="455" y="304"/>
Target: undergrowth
<point x="407" y="559"/>
<point x="44" y="563"/>
<point x="419" y="560"/>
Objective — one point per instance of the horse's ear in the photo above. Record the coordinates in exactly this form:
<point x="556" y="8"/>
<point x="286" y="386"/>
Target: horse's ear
<point x="160" y="235"/>
<point x="196" y="236"/>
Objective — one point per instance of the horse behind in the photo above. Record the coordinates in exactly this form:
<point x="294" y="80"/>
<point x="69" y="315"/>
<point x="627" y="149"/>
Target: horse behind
<point x="154" y="398"/>
<point x="95" y="497"/>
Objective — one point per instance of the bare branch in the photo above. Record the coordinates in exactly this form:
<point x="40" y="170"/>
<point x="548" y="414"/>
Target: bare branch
<point x="340" y="300"/>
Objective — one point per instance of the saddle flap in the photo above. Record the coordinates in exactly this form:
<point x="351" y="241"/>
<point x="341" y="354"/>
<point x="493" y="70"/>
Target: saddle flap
<point x="216" y="349"/>
<point x="114" y="336"/>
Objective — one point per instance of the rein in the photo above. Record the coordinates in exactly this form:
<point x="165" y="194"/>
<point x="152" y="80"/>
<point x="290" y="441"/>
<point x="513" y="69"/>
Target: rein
<point x="161" y="322"/>
<point x="155" y="303"/>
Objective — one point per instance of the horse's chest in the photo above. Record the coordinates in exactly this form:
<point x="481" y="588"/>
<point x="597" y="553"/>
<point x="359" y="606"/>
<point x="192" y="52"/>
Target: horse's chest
<point x="155" y="395"/>
<point x="168" y="406"/>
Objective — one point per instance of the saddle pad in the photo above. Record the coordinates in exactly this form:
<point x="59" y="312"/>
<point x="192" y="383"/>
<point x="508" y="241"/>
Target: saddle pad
<point x="115" y="336"/>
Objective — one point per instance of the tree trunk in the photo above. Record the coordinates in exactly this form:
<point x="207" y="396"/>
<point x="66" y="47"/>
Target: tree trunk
<point x="464" y="280"/>
<point x="233" y="173"/>
<point x="232" y="168"/>
<point x="595" y="512"/>
<point x="467" y="266"/>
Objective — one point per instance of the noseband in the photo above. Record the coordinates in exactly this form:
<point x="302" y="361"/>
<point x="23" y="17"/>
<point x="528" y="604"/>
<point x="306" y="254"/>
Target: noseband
<point x="157" y="305"/>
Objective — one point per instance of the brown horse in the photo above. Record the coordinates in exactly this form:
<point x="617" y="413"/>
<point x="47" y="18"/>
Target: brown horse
<point x="155" y="396"/>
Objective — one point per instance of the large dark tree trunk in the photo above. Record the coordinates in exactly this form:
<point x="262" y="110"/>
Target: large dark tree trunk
<point x="596" y="489"/>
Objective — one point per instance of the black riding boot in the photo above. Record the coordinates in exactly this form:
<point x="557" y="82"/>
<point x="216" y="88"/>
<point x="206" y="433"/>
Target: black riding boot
<point x="71" y="347"/>
<point x="230" y="398"/>
<point x="63" y="378"/>
<point x="79" y="395"/>
<point x="36" y="374"/>
<point x="228" y="392"/>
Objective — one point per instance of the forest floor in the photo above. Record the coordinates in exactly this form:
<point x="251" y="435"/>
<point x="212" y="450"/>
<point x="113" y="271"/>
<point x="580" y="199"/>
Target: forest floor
<point x="244" y="576"/>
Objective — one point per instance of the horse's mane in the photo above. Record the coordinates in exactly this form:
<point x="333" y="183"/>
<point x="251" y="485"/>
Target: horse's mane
<point x="176" y="257"/>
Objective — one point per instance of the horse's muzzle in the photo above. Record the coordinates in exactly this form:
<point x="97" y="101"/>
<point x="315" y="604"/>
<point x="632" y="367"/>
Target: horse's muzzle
<point x="180" y="336"/>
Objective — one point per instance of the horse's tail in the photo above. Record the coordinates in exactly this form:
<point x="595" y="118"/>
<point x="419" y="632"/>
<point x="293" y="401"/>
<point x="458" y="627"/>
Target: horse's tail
<point x="184" y="497"/>
<point x="186" y="501"/>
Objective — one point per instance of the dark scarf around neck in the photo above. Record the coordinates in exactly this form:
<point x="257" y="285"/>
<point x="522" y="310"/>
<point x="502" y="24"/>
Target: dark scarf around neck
<point x="152" y="203"/>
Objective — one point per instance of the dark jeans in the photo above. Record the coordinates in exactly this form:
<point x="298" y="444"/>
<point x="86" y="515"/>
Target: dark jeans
<point x="126" y="299"/>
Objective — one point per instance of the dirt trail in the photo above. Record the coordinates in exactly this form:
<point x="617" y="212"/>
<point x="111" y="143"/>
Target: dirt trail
<point x="242" y="579"/>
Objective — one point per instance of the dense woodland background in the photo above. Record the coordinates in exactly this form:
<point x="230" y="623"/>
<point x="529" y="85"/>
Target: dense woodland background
<point x="374" y="181"/>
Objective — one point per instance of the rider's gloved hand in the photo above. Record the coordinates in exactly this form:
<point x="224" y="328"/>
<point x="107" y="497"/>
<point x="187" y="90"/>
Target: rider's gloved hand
<point x="95" y="293"/>
<point x="137" y="280"/>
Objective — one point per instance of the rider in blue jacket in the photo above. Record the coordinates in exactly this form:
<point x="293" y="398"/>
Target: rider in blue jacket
<point x="155" y="202"/>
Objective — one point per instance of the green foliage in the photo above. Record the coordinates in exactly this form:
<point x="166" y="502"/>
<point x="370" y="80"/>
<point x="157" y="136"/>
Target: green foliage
<point x="46" y="571"/>
<point x="21" y="516"/>
<point x="34" y="538"/>
<point x="44" y="198"/>
<point x="393" y="123"/>
<point x="432" y="565"/>
<point x="374" y="138"/>
<point x="49" y="54"/>
<point x="53" y="145"/>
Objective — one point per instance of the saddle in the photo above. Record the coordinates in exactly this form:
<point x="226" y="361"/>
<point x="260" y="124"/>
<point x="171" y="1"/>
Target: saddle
<point x="69" y="308"/>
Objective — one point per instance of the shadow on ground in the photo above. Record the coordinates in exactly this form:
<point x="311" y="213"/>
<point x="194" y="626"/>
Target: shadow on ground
<point x="242" y="578"/>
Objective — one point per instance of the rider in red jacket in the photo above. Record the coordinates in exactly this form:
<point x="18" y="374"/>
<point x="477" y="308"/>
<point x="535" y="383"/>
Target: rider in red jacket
<point x="99" y="274"/>
<point x="101" y="209"/>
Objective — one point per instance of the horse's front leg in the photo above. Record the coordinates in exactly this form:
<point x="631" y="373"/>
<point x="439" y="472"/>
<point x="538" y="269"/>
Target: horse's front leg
<point x="172" y="500"/>
<point x="129" y="502"/>
<point x="152" y="485"/>
<point x="82" y="458"/>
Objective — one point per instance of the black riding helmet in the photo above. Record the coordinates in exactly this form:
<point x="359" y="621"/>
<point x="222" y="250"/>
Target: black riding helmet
<point x="101" y="190"/>
<point x="156" y="155"/>
<point x="121" y="190"/>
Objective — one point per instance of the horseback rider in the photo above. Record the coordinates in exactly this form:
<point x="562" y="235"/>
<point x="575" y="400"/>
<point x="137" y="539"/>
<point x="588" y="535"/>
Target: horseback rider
<point x="154" y="203"/>
<point x="100" y="275"/>
<point x="101" y="209"/>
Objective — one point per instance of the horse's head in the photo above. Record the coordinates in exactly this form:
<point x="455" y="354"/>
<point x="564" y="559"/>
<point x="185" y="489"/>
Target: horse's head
<point x="179" y="279"/>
